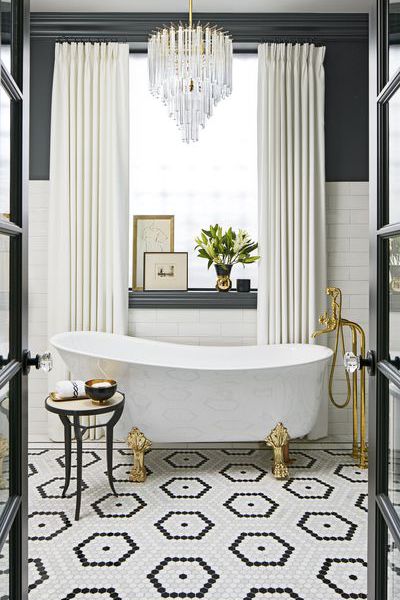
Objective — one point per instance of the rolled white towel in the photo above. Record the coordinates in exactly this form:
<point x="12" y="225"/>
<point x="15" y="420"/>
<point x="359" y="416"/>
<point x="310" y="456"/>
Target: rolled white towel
<point x="70" y="389"/>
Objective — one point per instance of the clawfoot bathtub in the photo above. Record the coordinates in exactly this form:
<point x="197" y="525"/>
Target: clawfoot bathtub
<point x="181" y="393"/>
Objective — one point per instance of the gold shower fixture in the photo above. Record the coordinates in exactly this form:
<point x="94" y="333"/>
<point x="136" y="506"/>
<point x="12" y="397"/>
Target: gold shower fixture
<point x="355" y="384"/>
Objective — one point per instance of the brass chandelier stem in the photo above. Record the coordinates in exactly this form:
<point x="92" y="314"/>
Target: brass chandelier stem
<point x="190" y="13"/>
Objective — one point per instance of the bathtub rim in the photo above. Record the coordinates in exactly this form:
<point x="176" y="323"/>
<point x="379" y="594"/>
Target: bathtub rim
<point x="326" y="354"/>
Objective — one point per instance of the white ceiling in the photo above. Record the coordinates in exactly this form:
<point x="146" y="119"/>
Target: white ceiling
<point x="340" y="6"/>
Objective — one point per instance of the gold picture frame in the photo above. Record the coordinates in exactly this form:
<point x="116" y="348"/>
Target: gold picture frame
<point x="151" y="233"/>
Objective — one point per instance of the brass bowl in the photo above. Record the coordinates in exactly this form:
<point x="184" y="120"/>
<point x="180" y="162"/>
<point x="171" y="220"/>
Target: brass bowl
<point x="100" y="394"/>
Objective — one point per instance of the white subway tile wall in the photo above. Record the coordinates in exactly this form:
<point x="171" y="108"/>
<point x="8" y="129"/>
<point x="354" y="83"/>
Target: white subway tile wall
<point x="347" y="239"/>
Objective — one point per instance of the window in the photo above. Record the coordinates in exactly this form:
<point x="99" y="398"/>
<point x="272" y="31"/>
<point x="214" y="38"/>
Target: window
<point x="212" y="181"/>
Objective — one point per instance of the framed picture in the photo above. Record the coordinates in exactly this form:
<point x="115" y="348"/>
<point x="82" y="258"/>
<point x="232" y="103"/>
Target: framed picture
<point x="151" y="233"/>
<point x="165" y="271"/>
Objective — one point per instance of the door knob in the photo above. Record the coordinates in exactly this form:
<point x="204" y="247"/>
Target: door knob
<point x="43" y="362"/>
<point x="354" y="363"/>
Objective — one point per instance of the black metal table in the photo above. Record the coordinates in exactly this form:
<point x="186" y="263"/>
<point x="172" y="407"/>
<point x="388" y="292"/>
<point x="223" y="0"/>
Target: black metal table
<point x="75" y="409"/>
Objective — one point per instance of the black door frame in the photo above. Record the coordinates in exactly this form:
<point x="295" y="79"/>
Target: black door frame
<point x="382" y="517"/>
<point x="14" y="519"/>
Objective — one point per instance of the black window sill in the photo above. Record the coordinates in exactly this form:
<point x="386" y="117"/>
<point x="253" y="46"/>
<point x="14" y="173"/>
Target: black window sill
<point x="193" y="299"/>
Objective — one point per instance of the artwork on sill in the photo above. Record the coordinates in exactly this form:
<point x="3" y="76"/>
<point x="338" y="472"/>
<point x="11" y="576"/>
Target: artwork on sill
<point x="151" y="233"/>
<point x="165" y="271"/>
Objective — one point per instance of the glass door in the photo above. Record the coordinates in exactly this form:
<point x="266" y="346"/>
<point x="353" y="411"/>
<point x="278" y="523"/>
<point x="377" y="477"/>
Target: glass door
<point x="384" y="414"/>
<point x="14" y="27"/>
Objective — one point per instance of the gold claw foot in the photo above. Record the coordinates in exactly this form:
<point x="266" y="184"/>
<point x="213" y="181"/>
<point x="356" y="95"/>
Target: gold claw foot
<point x="278" y="439"/>
<point x="3" y="454"/>
<point x="139" y="444"/>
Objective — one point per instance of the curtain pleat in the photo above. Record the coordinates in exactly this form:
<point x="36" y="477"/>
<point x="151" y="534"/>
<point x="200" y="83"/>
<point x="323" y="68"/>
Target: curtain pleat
<point x="89" y="191"/>
<point x="291" y="184"/>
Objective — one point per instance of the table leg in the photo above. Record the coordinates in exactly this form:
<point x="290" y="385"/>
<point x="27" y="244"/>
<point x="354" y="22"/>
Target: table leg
<point x="78" y="437"/>
<point x="110" y="437"/>
<point x="67" y="446"/>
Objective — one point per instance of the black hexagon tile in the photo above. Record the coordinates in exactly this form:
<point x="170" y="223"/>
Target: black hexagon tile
<point x="183" y="577"/>
<point x="362" y="502"/>
<point x="106" y="549"/>
<point x="266" y="593"/>
<point x="251" y="505"/>
<point x="185" y="487"/>
<point x="184" y="525"/>
<point x="257" y="549"/>
<point x="243" y="472"/>
<point x="308" y="488"/>
<point x="352" y="473"/>
<point x="301" y="460"/>
<point x="122" y="471"/>
<point x="238" y="452"/>
<point x="89" y="458"/>
<point x="46" y="525"/>
<point x="346" y="576"/>
<point x="93" y="593"/>
<point x="32" y="470"/>
<point x="52" y="489"/>
<point x="37" y="573"/>
<point x="327" y="526"/>
<point x="227" y="529"/>
<point x="186" y="459"/>
<point x="125" y="505"/>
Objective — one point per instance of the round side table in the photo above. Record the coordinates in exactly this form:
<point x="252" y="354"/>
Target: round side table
<point x="74" y="409"/>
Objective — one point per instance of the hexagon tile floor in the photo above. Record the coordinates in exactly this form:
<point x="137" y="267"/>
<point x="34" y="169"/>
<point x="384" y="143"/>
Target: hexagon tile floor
<point x="210" y="524"/>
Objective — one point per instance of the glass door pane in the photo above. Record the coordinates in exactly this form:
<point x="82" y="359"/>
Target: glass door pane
<point x="393" y="570"/>
<point x="394" y="447"/>
<point x="394" y="157"/>
<point x="4" y="296"/>
<point x="5" y="154"/>
<point x="5" y="7"/>
<point x="394" y="37"/>
<point x="4" y="571"/>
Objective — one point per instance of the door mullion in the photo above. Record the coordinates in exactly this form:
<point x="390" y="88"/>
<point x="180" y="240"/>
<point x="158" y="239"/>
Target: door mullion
<point x="391" y="517"/>
<point x="8" y="372"/>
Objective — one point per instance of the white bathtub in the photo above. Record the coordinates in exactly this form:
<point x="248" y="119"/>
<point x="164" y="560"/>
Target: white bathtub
<point x="181" y="393"/>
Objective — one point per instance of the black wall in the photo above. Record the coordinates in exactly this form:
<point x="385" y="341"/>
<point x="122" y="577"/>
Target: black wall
<point x="346" y="71"/>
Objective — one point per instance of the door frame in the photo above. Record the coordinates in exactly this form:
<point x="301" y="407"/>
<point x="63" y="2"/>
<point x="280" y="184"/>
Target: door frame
<point x="381" y="515"/>
<point x="14" y="520"/>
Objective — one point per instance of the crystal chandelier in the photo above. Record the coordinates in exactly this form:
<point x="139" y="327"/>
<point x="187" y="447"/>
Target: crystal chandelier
<point x="190" y="69"/>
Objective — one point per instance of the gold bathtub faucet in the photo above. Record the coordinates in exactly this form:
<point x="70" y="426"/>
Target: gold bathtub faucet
<point x="335" y="322"/>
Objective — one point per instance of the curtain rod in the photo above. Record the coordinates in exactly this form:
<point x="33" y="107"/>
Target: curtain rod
<point x="94" y="40"/>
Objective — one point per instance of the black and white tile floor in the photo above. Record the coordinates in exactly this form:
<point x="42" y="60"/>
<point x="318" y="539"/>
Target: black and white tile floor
<point x="210" y="524"/>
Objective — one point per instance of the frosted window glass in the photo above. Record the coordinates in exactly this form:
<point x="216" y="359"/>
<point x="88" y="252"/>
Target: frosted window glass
<point x="211" y="181"/>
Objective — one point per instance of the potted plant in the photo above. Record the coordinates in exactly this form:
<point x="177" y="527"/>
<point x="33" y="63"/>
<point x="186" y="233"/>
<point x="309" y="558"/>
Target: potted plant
<point x="224" y="249"/>
<point x="394" y="262"/>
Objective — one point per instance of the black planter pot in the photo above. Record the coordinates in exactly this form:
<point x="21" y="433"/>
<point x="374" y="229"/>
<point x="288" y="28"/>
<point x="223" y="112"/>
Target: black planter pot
<point x="243" y="285"/>
<point x="224" y="282"/>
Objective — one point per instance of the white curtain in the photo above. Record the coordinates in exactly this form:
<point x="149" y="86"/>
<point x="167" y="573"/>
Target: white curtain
<point x="89" y="192"/>
<point x="291" y="183"/>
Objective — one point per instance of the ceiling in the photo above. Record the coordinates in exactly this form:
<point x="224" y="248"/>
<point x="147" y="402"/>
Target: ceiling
<point x="296" y="6"/>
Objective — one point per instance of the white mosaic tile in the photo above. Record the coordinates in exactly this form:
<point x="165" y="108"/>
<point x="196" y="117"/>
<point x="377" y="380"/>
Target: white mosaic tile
<point x="207" y="523"/>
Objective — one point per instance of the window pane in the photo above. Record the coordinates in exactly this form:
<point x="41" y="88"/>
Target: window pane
<point x="211" y="181"/>
<point x="4" y="295"/>
<point x="394" y="37"/>
<point x="394" y="158"/>
<point x="5" y="108"/>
